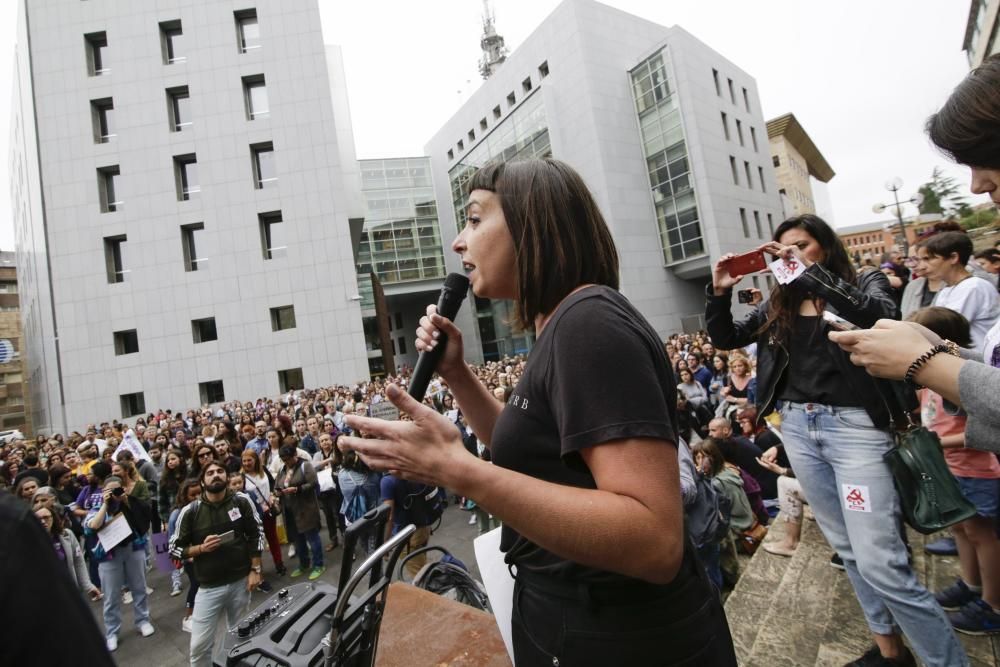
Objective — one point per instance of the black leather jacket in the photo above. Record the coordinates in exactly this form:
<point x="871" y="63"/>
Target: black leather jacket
<point x="863" y="304"/>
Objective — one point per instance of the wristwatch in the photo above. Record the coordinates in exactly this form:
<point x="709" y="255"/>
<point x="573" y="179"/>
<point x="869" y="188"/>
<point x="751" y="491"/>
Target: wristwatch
<point x="256" y="568"/>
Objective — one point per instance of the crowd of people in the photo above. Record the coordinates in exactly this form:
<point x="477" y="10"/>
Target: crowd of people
<point x="281" y="454"/>
<point x="647" y="495"/>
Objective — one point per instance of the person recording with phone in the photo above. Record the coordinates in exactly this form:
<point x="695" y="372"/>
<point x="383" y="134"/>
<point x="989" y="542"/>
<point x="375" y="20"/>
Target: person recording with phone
<point x="835" y="427"/>
<point x="123" y="564"/>
<point x="223" y="534"/>
<point x="584" y="472"/>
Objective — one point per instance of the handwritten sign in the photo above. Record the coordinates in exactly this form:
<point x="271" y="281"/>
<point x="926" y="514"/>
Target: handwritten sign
<point x="786" y="270"/>
<point x="114" y="533"/>
<point x="161" y="546"/>
<point x="385" y="410"/>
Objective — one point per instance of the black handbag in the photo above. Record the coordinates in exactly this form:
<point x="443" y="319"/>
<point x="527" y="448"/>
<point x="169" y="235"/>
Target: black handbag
<point x="928" y="493"/>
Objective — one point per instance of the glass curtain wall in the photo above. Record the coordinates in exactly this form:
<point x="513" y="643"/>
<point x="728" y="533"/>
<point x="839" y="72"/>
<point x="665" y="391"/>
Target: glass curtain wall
<point x="401" y="240"/>
<point x="667" y="161"/>
<point x="523" y="135"/>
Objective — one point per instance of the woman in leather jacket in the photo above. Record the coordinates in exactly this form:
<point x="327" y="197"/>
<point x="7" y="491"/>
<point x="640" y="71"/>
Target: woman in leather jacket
<point x="835" y="429"/>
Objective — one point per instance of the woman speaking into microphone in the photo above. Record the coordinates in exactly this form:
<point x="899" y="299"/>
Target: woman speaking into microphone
<point x="584" y="474"/>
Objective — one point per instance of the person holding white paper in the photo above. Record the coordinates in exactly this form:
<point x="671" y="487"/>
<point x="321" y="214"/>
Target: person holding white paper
<point x="835" y="428"/>
<point x="121" y="561"/>
<point x="327" y="462"/>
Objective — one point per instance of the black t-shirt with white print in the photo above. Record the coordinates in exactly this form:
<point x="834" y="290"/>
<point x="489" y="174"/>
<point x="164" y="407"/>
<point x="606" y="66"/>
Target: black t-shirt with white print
<point x="597" y="373"/>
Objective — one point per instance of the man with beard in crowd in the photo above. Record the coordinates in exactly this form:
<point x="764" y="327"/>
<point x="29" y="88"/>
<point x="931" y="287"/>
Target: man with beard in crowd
<point x="223" y="533"/>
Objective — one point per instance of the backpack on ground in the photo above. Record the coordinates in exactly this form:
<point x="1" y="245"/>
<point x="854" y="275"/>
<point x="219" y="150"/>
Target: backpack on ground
<point x="449" y="578"/>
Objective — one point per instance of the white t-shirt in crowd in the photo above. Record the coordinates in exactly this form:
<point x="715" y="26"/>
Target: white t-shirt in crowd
<point x="977" y="300"/>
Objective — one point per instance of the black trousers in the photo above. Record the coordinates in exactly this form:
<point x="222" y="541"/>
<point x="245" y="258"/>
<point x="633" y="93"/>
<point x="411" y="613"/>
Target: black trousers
<point x="681" y="624"/>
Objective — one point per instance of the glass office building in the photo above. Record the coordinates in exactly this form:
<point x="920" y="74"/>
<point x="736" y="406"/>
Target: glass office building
<point x="401" y="240"/>
<point x="667" y="160"/>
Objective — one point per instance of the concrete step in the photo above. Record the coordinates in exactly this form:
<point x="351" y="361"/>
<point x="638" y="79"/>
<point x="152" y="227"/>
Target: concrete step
<point x="800" y="611"/>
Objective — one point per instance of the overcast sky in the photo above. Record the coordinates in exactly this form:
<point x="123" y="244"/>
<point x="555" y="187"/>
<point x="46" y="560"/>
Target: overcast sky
<point x="861" y="76"/>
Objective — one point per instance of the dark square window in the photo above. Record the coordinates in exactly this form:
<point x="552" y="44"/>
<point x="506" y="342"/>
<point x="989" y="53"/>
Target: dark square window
<point x="203" y="330"/>
<point x="282" y="317"/>
<point x="133" y="404"/>
<point x="171" y="42"/>
<point x="102" y="113"/>
<point x="211" y="392"/>
<point x="126" y="342"/>
<point x="97" y="46"/>
<point x="290" y="380"/>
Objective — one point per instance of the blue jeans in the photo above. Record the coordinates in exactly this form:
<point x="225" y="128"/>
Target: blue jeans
<point x="709" y="556"/>
<point x="209" y="604"/>
<point x="306" y="541"/>
<point x="126" y="568"/>
<point x="837" y="454"/>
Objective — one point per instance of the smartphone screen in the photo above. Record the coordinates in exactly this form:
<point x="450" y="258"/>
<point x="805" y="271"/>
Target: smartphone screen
<point x="838" y="323"/>
<point x="227" y="537"/>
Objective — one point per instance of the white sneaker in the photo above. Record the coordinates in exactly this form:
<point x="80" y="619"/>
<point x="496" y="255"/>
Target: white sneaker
<point x="291" y="551"/>
<point x="472" y="520"/>
<point x="149" y="591"/>
<point x="175" y="590"/>
<point x="146" y="629"/>
<point x="112" y="643"/>
<point x="186" y="624"/>
<point x="127" y="597"/>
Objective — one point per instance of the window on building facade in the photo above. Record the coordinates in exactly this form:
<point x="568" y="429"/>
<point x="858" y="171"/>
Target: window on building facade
<point x="172" y="42"/>
<point x="97" y="48"/>
<point x="102" y="113"/>
<point x="732" y="94"/>
<point x="472" y="136"/>
<point x="290" y="380"/>
<point x="753" y="138"/>
<point x="775" y="160"/>
<point x="744" y="223"/>
<point x="179" y="108"/>
<point x="107" y="185"/>
<point x="451" y="154"/>
<point x="186" y="176"/>
<point x="264" y="172"/>
<point x="247" y="30"/>
<point x="511" y="99"/>
<point x="203" y="330"/>
<point x="113" y="258"/>
<point x="496" y="112"/>
<point x="526" y="87"/>
<point x="282" y="317"/>
<point x="746" y="170"/>
<point x="760" y="177"/>
<point x="211" y="392"/>
<point x="746" y="100"/>
<point x="255" y="96"/>
<point x="272" y="238"/>
<point x="725" y="125"/>
<point x="133" y="404"/>
<point x="732" y="168"/>
<point x="402" y="345"/>
<point x="126" y="342"/>
<point x="715" y="78"/>
<point x="482" y="125"/>
<point x="770" y="224"/>
<point x="739" y="131"/>
<point x="189" y="237"/>
<point x="543" y="70"/>
<point x="756" y="224"/>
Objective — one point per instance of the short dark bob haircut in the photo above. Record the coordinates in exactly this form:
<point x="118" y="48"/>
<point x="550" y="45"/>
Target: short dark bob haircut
<point x="967" y="128"/>
<point x="561" y="240"/>
<point x="946" y="243"/>
<point x="944" y="322"/>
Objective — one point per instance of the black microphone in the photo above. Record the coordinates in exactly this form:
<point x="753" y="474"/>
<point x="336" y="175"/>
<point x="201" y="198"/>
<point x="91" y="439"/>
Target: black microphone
<point x="452" y="294"/>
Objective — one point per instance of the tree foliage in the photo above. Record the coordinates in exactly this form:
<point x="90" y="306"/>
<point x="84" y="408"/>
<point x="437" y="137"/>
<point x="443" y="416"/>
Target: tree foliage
<point x="943" y="195"/>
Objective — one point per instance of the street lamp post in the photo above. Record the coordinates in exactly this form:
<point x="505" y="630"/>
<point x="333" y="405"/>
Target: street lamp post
<point x="894" y="186"/>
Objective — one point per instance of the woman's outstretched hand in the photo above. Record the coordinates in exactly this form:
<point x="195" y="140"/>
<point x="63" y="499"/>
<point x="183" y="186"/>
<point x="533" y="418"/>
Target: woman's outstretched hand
<point x="427" y="449"/>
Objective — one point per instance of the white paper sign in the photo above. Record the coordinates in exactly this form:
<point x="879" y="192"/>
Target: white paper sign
<point x="786" y="270"/>
<point x="384" y="410"/>
<point x="131" y="443"/>
<point x="114" y="533"/>
<point x="325" y="479"/>
<point x="498" y="582"/>
<point x="856" y="498"/>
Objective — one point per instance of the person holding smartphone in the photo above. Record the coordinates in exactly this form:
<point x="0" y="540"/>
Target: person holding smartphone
<point x="835" y="428"/>
<point x="123" y="564"/>
<point x="223" y="533"/>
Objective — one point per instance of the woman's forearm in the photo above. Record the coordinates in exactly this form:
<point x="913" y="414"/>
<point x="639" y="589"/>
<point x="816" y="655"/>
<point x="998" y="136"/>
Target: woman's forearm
<point x="592" y="527"/>
<point x="940" y="375"/>
<point x="478" y="406"/>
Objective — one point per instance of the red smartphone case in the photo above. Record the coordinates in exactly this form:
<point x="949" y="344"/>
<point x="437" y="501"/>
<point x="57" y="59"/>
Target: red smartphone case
<point x="747" y="263"/>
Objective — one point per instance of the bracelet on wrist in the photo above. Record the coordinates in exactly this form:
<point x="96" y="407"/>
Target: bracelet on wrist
<point x="947" y="346"/>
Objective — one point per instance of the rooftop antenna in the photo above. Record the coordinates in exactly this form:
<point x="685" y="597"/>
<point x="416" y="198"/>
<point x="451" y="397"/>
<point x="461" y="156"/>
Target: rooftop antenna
<point x="492" y="44"/>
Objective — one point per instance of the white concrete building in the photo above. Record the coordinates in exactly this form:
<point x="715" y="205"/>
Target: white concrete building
<point x="184" y="181"/>
<point x="667" y="133"/>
